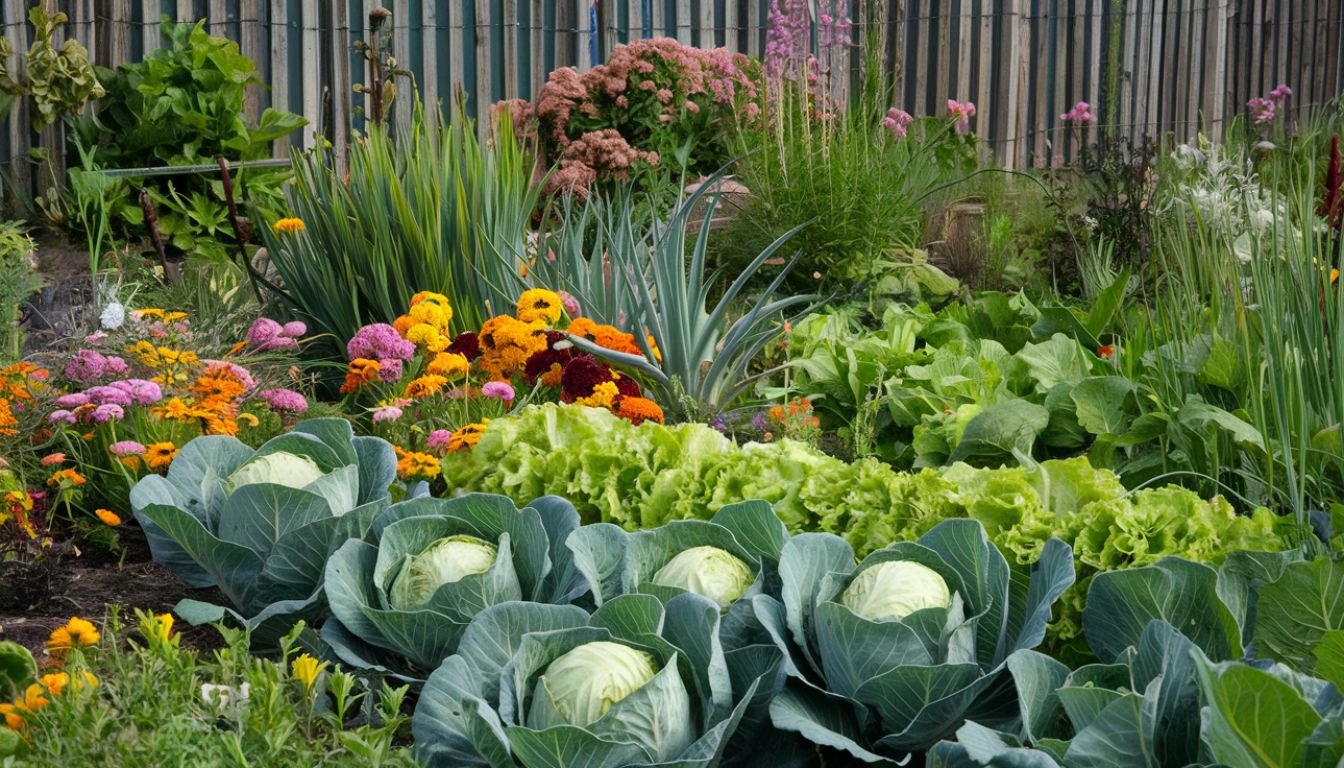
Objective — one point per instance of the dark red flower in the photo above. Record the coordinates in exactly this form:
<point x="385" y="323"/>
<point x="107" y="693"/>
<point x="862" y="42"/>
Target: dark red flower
<point x="580" y="376"/>
<point x="628" y="387"/>
<point x="467" y="345"/>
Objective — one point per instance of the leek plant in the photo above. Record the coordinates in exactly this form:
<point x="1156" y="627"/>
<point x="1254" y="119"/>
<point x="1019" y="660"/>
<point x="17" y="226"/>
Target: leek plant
<point x="429" y="208"/>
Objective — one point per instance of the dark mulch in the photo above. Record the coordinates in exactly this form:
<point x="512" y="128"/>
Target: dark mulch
<point x="85" y="586"/>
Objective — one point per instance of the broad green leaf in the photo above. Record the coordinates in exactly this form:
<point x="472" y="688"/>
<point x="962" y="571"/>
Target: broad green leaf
<point x="1329" y="654"/>
<point x="822" y="719"/>
<point x="599" y="554"/>
<point x="756" y="527"/>
<point x="232" y="567"/>
<point x="17" y="668"/>
<point x="1000" y="432"/>
<point x="1105" y="404"/>
<point x="1297" y="610"/>
<point x="1037" y="677"/>
<point x="1254" y="719"/>
<point x="1121" y="603"/>
<point x="1117" y="738"/>
<point x="1058" y="359"/>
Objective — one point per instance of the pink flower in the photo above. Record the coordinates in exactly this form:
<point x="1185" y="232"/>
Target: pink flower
<point x="60" y="416"/>
<point x="1080" y="115"/>
<point x="141" y="391"/>
<point x="73" y="400"/>
<point x="1262" y="111"/>
<point x="284" y="400"/>
<point x="126" y="448"/>
<point x="106" y="412"/>
<point x="439" y="439"/>
<point x="294" y="328"/>
<point x="379" y="341"/>
<point x="1281" y="93"/>
<point x="961" y="112"/>
<point x="89" y="366"/>
<point x="500" y="390"/>
<point x="386" y="413"/>
<point x="897" y="121"/>
<point x="53" y="458"/>
<point x="570" y="304"/>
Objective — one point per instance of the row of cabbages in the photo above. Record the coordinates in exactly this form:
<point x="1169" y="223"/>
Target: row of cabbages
<point x="540" y="641"/>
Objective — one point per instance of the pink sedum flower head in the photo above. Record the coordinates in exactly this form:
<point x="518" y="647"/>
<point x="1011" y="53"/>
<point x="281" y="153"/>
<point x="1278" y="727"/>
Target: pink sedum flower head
<point x="386" y="413"/>
<point x="127" y="448"/>
<point x="284" y="400"/>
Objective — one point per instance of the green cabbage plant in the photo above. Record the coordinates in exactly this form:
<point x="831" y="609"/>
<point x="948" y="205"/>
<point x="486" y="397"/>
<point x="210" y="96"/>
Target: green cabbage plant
<point x="401" y="600"/>
<point x="888" y="657"/>
<point x="640" y="682"/>
<point x="260" y="525"/>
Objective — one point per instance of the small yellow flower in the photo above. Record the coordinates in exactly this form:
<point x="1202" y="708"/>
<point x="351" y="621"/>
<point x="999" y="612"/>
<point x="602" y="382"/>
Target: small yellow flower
<point x="289" y="225"/>
<point x="76" y="632"/>
<point x="305" y="669"/>
<point x="539" y="305"/>
<point x="157" y="627"/>
<point x="108" y="517"/>
<point x="159" y="455"/>
<point x="604" y="395"/>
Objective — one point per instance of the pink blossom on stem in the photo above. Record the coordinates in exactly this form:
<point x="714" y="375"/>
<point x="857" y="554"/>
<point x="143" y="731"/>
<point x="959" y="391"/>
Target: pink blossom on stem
<point x="897" y="121"/>
<point x="1080" y="115"/>
<point x="961" y="113"/>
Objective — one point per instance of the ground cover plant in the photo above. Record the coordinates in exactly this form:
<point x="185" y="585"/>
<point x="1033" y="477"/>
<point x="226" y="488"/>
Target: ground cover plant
<point x="702" y="411"/>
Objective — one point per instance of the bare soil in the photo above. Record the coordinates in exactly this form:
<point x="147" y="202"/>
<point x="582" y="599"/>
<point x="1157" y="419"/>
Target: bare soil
<point x="85" y="586"/>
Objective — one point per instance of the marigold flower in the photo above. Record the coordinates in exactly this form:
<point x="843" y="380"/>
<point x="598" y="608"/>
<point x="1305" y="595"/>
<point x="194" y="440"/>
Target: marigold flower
<point x="413" y="465"/>
<point x="449" y="365"/>
<point x="108" y="517"/>
<point x="158" y="456"/>
<point x="289" y="225"/>
<point x="426" y="386"/>
<point x="638" y="410"/>
<point x="66" y="478"/>
<point x="468" y="436"/>
<point x="539" y="305"/>
<point x="14" y="718"/>
<point x="305" y="669"/>
<point x="361" y="371"/>
<point x="604" y="396"/>
<point x="75" y="633"/>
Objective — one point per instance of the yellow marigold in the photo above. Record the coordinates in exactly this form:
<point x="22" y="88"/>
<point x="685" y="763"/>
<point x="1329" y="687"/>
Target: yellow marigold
<point x="604" y="395"/>
<point x="76" y="632"/>
<point x="147" y="313"/>
<point x="66" y="478"/>
<point x="157" y="627"/>
<point x="289" y="225"/>
<point x="638" y="410"/>
<point x="130" y="462"/>
<point x="468" y="436"/>
<point x="449" y="364"/>
<point x="539" y="305"/>
<point x="159" y="456"/>
<point x="305" y="669"/>
<point x="423" y="335"/>
<point x="13" y="716"/>
<point x="425" y="386"/>
<point x="432" y="297"/>
<point x="507" y="343"/>
<point x="33" y="699"/>
<point x="412" y="465"/>
<point x="108" y="517"/>
<point x="173" y="317"/>
<point x="431" y="312"/>
<point x="175" y="409"/>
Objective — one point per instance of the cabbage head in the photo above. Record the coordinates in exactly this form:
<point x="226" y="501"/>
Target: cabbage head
<point x="894" y="653"/>
<point x="640" y="682"/>
<point x="260" y="524"/>
<point x="709" y="572"/>
<point x="401" y="599"/>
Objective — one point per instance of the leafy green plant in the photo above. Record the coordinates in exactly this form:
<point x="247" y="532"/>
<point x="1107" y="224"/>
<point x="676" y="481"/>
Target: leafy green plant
<point x="183" y="105"/>
<point x="155" y="701"/>
<point x="259" y="525"/>
<point x="638" y="683"/>
<point x="60" y="80"/>
<point x="429" y="208"/>
<point x="18" y="280"/>
<point x="705" y="355"/>
<point x="432" y="565"/>
<point x="881" y="675"/>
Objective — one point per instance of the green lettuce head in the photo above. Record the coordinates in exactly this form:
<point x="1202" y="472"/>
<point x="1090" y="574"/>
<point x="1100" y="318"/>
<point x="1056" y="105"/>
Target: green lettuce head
<point x="401" y="597"/>
<point x="895" y="589"/>
<point x="446" y="561"/>
<point x="709" y="572"/>
<point x="583" y="684"/>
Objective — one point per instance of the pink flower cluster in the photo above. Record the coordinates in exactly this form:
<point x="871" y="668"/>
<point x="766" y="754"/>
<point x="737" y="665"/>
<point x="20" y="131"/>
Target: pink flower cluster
<point x="603" y="153"/>
<point x="961" y="113"/>
<point x="439" y="440"/>
<point x="284" y="400"/>
<point x="89" y="366"/>
<point x="897" y="121"/>
<point x="266" y="334"/>
<point x="127" y="448"/>
<point x="787" y="36"/>
<point x="381" y="342"/>
<point x="1080" y="115"/>
<point x="1265" y="108"/>
<point x="103" y="403"/>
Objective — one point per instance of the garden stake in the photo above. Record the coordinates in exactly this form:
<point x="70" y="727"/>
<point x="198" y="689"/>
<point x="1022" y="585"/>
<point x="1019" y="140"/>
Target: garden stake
<point x="241" y="229"/>
<point x="152" y="219"/>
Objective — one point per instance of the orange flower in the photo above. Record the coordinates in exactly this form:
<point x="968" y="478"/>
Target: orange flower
<point x="108" y="517"/>
<point x="66" y="478"/>
<point x="158" y="456"/>
<point x="425" y="386"/>
<point x="638" y="410"/>
<point x="53" y="458"/>
<point x="74" y="633"/>
<point x="468" y="436"/>
<point x="290" y="225"/>
<point x="449" y="365"/>
<point x="361" y="371"/>
<point x="539" y="305"/>
<point x="417" y="466"/>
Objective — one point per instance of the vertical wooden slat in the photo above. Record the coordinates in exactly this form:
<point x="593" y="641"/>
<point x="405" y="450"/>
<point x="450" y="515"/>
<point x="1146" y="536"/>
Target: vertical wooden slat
<point x="635" y="13"/>
<point x="456" y="48"/>
<point x="280" y="64"/>
<point x="964" y="50"/>
<point x="705" y="25"/>
<point x="400" y="38"/>
<point x="186" y="11"/>
<point x="683" y="22"/>
<point x="150" y="11"/>
<point x="731" y="26"/>
<point x="250" y="45"/>
<point x="987" y="54"/>
<point x="20" y="119"/>
<point x="342" y="86"/>
<point x="311" y="79"/>
<point x="755" y="29"/>
<point x="510" y="24"/>
<point x="219" y="17"/>
<point x="539" y="72"/>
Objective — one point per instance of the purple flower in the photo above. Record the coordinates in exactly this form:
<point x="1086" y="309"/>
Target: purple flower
<point x="72" y="400"/>
<point x="90" y="366"/>
<point x="439" y="439"/>
<point x="386" y="413"/>
<point x="61" y="416"/>
<point x="284" y="400"/>
<point x="110" y="395"/>
<point x="1262" y="111"/>
<point x="379" y="341"/>
<point x="759" y="422"/>
<point x="1281" y="93"/>
<point x="294" y="329"/>
<point x="141" y="391"/>
<point x="106" y="412"/>
<point x="263" y="330"/>
<point x="127" y="448"/>
<point x="390" y="369"/>
<point x="500" y="390"/>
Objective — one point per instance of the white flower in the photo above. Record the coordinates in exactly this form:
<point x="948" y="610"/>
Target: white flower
<point x="114" y="314"/>
<point x="223" y="696"/>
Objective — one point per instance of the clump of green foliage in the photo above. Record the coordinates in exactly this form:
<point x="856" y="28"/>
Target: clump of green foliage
<point x="18" y="281"/>
<point x="182" y="105"/>
<point x="150" y="701"/>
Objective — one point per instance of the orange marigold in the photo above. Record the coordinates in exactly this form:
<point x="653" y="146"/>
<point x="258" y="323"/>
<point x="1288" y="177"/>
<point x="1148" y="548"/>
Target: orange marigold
<point x="638" y="410"/>
<point x="468" y="436"/>
<point x="426" y="386"/>
<point x="66" y="478"/>
<point x="448" y="364"/>
<point x="159" y="456"/>
<point x="360" y="372"/>
<point x="108" y="517"/>
<point x="412" y="465"/>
